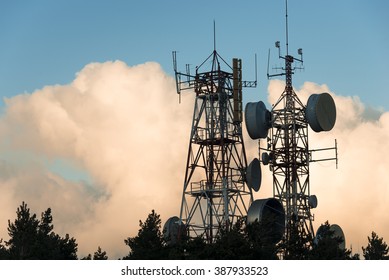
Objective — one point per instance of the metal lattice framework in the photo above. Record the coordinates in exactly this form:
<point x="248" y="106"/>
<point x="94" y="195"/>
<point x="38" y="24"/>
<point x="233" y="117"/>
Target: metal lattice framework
<point x="290" y="155"/>
<point x="215" y="194"/>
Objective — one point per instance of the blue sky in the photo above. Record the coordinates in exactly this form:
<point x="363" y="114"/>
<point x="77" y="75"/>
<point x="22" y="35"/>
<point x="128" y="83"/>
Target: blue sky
<point x="44" y="43"/>
<point x="345" y="42"/>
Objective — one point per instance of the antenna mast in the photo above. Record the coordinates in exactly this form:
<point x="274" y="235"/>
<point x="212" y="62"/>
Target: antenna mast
<point x="286" y="27"/>
<point x="215" y="194"/>
<point x="214" y="36"/>
<point x="287" y="151"/>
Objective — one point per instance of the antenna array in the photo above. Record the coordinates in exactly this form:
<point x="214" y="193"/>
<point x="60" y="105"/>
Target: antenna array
<point x="219" y="184"/>
<point x="214" y="194"/>
<point x="286" y="150"/>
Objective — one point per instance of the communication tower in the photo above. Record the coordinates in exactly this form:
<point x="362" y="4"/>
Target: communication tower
<point x="219" y="184"/>
<point x="215" y="193"/>
<point x="286" y="150"/>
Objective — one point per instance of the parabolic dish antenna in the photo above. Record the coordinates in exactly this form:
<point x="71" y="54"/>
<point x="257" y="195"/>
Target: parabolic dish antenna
<point x="254" y="175"/>
<point x="338" y="232"/>
<point x="265" y="158"/>
<point x="170" y="230"/>
<point x="312" y="201"/>
<point x="270" y="214"/>
<point x="321" y="112"/>
<point x="257" y="119"/>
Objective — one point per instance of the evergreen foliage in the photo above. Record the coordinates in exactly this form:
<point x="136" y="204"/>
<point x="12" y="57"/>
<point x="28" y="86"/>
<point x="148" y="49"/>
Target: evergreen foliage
<point x="87" y="258"/>
<point x="149" y="243"/>
<point x="98" y="255"/>
<point x="297" y="247"/>
<point x="262" y="245"/>
<point x="326" y="246"/>
<point x="3" y="251"/>
<point x="33" y="239"/>
<point x="376" y="249"/>
<point x="237" y="242"/>
<point x="232" y="243"/>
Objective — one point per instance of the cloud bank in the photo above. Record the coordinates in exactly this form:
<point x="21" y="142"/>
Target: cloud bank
<point x="124" y="128"/>
<point x="121" y="125"/>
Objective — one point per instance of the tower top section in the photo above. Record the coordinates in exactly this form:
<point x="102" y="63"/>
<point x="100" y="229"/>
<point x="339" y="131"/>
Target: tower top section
<point x="288" y="69"/>
<point x="219" y="68"/>
<point x="186" y="80"/>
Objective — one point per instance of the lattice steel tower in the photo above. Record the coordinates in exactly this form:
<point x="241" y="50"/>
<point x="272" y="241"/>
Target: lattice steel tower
<point x="215" y="194"/>
<point x="290" y="158"/>
<point x="287" y="152"/>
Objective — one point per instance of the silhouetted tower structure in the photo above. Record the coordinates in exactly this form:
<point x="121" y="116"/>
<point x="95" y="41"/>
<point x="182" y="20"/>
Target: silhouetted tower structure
<point x="287" y="152"/>
<point x="214" y="194"/>
<point x="290" y="157"/>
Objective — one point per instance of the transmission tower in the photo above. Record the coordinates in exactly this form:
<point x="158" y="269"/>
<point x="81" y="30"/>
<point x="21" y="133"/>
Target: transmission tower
<point x="215" y="193"/>
<point x="290" y="158"/>
<point x="286" y="151"/>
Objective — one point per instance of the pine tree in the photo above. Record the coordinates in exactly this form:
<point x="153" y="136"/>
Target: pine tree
<point x="297" y="246"/>
<point x="231" y="243"/>
<point x="260" y="236"/>
<point x="34" y="239"/>
<point x="23" y="234"/>
<point x="3" y="251"/>
<point x="376" y="249"/>
<point x="149" y="243"/>
<point x="87" y="258"/>
<point x="327" y="247"/>
<point x="100" y="255"/>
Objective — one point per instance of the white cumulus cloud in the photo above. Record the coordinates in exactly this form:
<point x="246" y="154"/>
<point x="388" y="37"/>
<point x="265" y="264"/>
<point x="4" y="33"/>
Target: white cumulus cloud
<point x="124" y="128"/>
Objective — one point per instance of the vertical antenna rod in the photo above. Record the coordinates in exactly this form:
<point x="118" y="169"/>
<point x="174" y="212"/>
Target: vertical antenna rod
<point x="286" y="27"/>
<point x="214" y="35"/>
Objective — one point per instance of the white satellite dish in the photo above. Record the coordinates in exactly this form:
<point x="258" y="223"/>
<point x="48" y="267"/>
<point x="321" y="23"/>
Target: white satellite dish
<point x="254" y="175"/>
<point x="257" y="119"/>
<point x="321" y="112"/>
